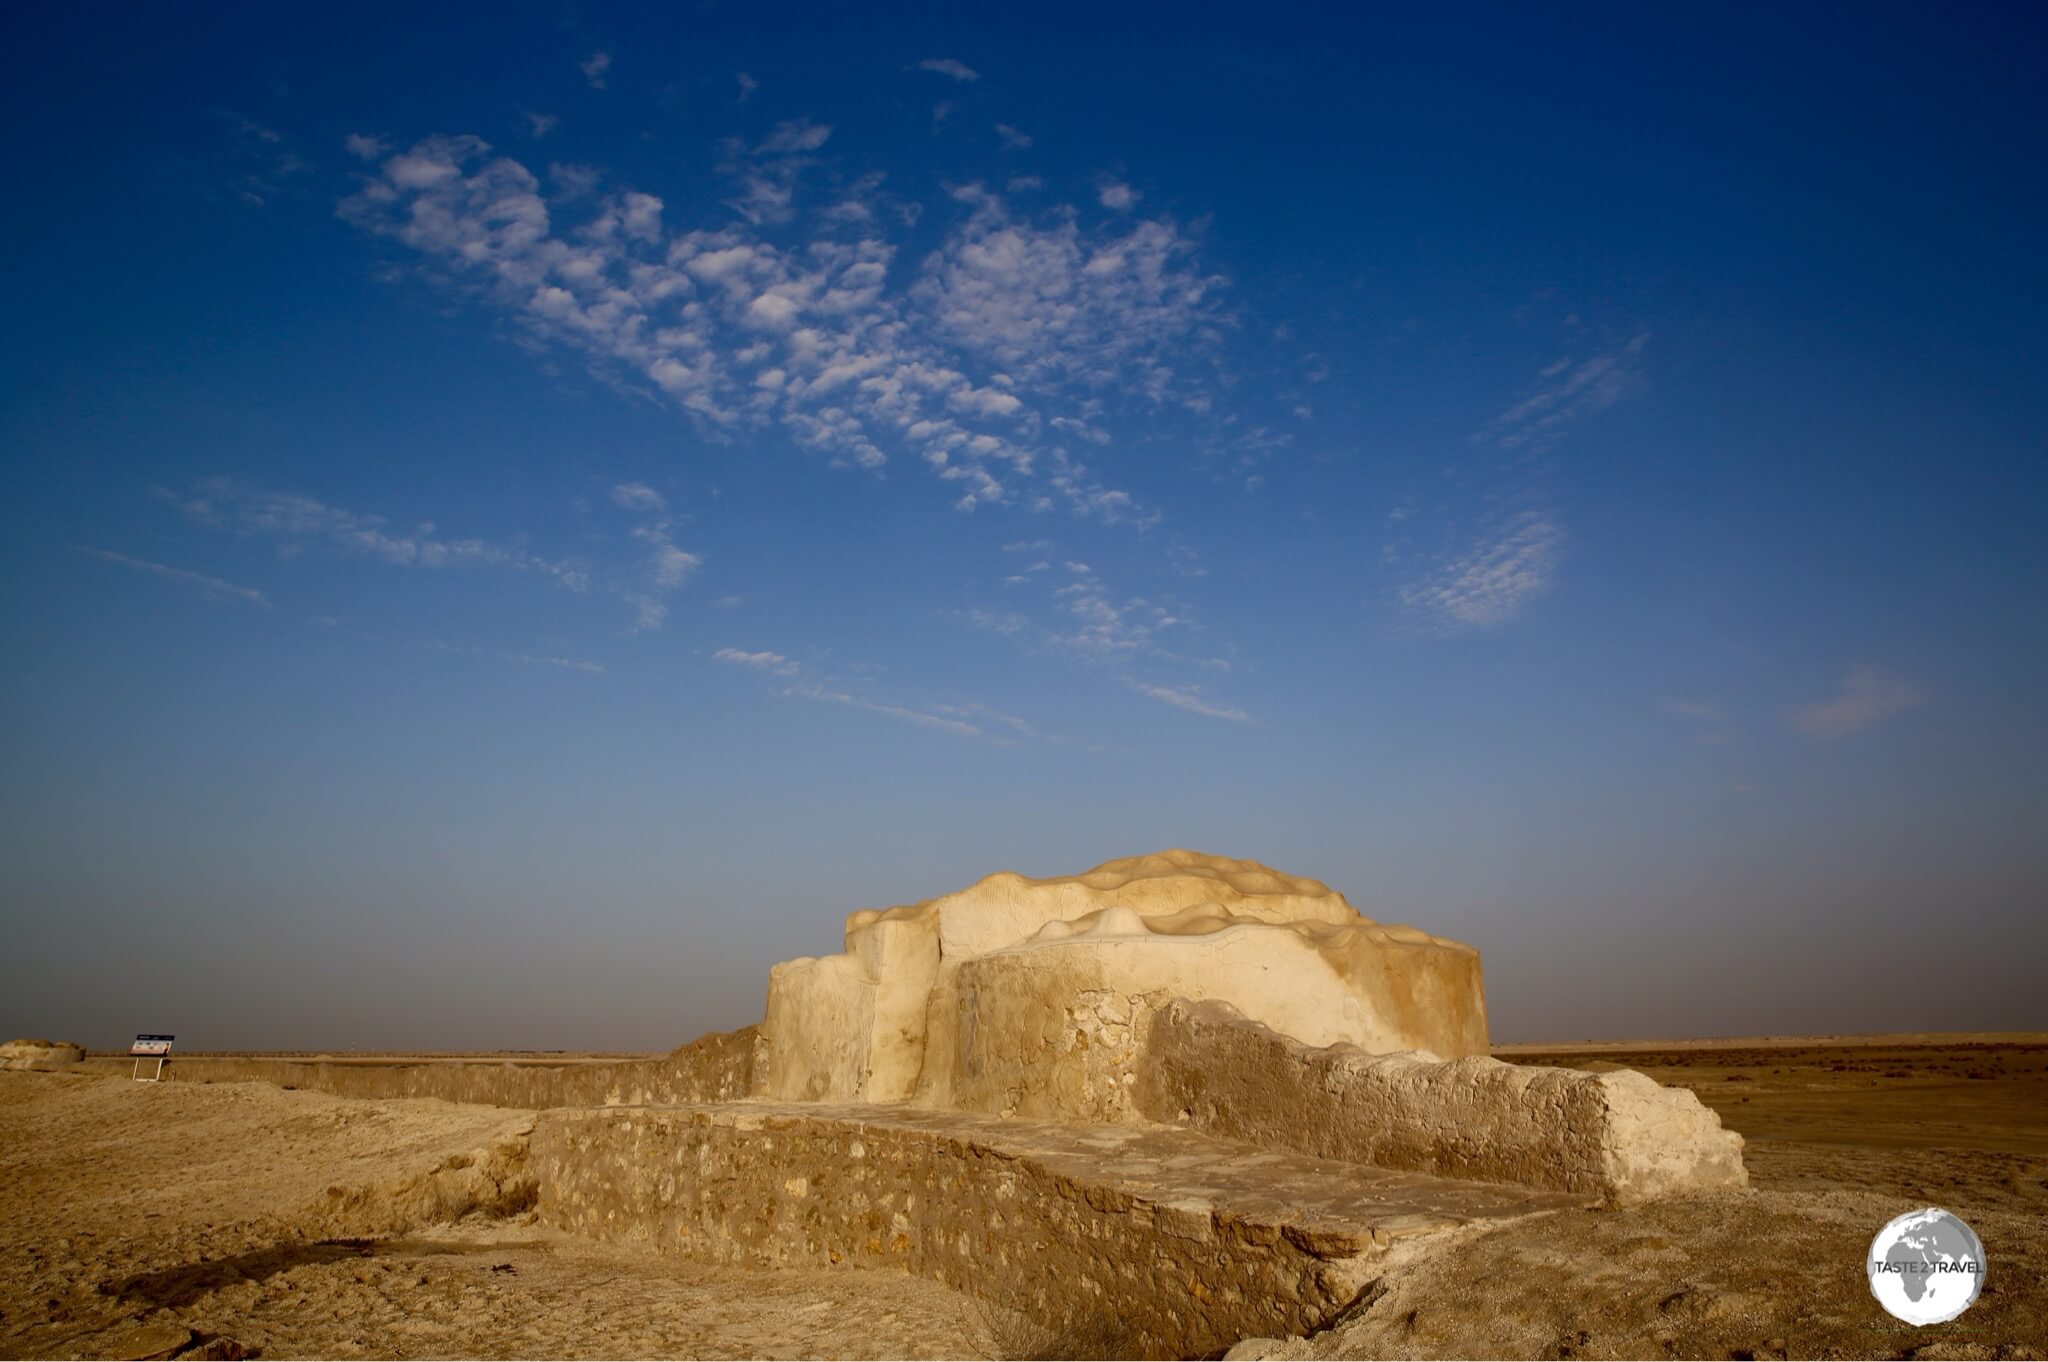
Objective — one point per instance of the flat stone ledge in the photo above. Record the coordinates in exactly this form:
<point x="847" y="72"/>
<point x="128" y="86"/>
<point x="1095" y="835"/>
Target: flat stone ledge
<point x="1134" y="1241"/>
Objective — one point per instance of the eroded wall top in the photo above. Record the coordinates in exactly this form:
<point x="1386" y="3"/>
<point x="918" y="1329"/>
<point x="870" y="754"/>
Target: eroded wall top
<point x="924" y="999"/>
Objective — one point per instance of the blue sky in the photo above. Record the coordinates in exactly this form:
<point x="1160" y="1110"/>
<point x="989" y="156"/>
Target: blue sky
<point x="517" y="520"/>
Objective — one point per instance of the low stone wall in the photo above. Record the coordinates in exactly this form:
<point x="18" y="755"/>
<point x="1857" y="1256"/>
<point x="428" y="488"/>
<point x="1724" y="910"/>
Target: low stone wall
<point x="1114" y="1242"/>
<point x="1619" y="1136"/>
<point x="716" y="1068"/>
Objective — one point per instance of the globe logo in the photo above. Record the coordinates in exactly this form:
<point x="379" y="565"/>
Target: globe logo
<point x="1926" y="1267"/>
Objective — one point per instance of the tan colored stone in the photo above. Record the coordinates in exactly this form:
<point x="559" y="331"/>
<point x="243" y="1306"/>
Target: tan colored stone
<point x="1619" y="1136"/>
<point x="970" y="999"/>
<point x="1194" y="989"/>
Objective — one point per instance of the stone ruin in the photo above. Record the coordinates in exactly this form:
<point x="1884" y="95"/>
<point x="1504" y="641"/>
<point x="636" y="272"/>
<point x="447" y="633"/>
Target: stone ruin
<point x="1145" y="1111"/>
<point x="1008" y="995"/>
<point x="1152" y="1110"/>
<point x="1190" y="990"/>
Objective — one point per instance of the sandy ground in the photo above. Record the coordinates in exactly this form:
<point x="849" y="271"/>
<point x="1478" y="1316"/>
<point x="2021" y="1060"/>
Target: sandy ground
<point x="143" y="1219"/>
<point x="139" y="1220"/>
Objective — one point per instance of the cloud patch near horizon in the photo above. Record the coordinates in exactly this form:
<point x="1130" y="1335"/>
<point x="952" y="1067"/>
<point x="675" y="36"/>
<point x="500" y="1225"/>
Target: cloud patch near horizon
<point x="1868" y="695"/>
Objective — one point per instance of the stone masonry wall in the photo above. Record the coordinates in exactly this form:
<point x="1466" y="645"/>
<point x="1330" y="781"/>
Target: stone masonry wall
<point x="1619" y="1136"/>
<point x="1108" y="1272"/>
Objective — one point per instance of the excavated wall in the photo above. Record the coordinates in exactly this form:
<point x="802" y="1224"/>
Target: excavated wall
<point x="1114" y="1242"/>
<point x="1619" y="1136"/>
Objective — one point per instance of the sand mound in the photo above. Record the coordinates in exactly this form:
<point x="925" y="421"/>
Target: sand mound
<point x="39" y="1054"/>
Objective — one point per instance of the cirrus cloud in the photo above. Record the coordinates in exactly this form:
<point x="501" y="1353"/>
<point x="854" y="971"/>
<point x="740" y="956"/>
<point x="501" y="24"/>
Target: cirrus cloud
<point x="1867" y="694"/>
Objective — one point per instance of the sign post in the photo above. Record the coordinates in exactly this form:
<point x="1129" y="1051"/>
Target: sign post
<point x="157" y="1048"/>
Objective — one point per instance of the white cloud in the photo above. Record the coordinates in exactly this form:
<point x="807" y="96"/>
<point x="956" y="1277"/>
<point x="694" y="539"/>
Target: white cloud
<point x="1118" y="198"/>
<point x="667" y="567"/>
<point x="541" y="124"/>
<point x="212" y="586"/>
<point x="672" y="565"/>
<point x="978" y="710"/>
<point x="747" y="84"/>
<point x="638" y="496"/>
<point x="1868" y="694"/>
<point x="1012" y="138"/>
<point x="364" y="148"/>
<point x="956" y="719"/>
<point x="574" y="664"/>
<point x="767" y="174"/>
<point x="796" y="135"/>
<point x="300" y="521"/>
<point x="1024" y="574"/>
<point x="997" y="621"/>
<point x="1565" y="391"/>
<point x="1188" y="699"/>
<point x="966" y="369"/>
<point x="1124" y="636"/>
<point x="811" y="691"/>
<point x="1052" y="304"/>
<point x="1086" y="618"/>
<point x="947" y="66"/>
<point x="594" y="67"/>
<point x="1493" y="580"/>
<point x="774" y="663"/>
<point x="649" y="612"/>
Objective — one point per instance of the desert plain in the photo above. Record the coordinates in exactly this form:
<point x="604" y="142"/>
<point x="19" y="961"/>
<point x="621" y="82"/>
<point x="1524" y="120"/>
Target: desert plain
<point x="195" y="1219"/>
